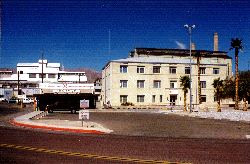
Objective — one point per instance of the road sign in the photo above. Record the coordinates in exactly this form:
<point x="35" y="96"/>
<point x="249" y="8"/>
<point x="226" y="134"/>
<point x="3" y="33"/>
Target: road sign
<point x="84" y="103"/>
<point x="84" y="114"/>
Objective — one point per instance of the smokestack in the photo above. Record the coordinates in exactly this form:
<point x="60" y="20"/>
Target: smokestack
<point x="216" y="44"/>
<point x="192" y="46"/>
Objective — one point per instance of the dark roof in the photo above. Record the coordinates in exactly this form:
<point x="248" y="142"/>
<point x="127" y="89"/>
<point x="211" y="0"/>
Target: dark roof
<point x="177" y="52"/>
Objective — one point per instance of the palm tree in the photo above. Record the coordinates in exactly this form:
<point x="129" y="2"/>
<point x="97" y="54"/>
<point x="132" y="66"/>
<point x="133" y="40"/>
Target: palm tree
<point x="218" y="86"/>
<point x="198" y="56"/>
<point x="185" y="84"/>
<point x="236" y="44"/>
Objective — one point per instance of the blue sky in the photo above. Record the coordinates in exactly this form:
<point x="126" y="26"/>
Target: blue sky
<point x="76" y="33"/>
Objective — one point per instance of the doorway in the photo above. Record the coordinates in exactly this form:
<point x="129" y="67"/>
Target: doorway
<point x="173" y="99"/>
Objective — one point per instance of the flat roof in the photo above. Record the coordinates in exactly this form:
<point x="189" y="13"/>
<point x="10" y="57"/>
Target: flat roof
<point x="163" y="60"/>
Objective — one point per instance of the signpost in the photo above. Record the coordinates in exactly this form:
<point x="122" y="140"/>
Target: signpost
<point x="84" y="103"/>
<point x="83" y="114"/>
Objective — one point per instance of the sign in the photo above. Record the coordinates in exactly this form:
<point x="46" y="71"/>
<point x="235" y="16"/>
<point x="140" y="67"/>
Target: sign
<point x="65" y="86"/>
<point x="84" y="103"/>
<point x="84" y="114"/>
<point x="173" y="92"/>
<point x="66" y="91"/>
<point x="21" y="96"/>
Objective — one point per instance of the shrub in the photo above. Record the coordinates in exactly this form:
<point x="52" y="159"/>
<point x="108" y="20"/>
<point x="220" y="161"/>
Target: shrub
<point x="127" y="104"/>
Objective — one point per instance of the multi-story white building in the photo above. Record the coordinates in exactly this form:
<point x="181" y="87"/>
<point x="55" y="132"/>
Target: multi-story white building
<point x="32" y="72"/>
<point x="29" y="75"/>
<point x="151" y="76"/>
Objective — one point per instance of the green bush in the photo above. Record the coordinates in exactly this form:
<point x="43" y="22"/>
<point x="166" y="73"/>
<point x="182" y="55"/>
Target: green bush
<point x="127" y="104"/>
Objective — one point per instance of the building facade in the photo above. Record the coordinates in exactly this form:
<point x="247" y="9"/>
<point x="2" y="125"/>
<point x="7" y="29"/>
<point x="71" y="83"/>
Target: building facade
<point x="30" y="75"/>
<point x="151" y="77"/>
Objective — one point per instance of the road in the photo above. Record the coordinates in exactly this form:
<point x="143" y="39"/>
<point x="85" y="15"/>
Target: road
<point x="45" y="146"/>
<point x="162" y="125"/>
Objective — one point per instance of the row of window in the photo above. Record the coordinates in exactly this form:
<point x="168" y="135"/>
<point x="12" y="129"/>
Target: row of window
<point x="33" y="75"/>
<point x="141" y="98"/>
<point x="156" y="84"/>
<point x="172" y="70"/>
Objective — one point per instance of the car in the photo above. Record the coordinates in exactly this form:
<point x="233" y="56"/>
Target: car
<point x="62" y="106"/>
<point x="2" y="99"/>
<point x="28" y="101"/>
<point x="13" y="100"/>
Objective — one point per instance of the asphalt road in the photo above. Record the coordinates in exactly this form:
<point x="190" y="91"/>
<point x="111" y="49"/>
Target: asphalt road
<point x="45" y="146"/>
<point x="162" y="125"/>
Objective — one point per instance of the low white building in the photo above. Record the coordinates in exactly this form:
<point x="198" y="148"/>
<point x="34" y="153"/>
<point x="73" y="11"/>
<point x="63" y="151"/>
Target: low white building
<point x="30" y="75"/>
<point x="32" y="72"/>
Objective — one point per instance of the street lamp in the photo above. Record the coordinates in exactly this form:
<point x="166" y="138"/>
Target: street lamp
<point x="190" y="27"/>
<point x="42" y="67"/>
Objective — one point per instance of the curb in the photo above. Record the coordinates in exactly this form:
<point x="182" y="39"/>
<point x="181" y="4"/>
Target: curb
<point x="56" y="128"/>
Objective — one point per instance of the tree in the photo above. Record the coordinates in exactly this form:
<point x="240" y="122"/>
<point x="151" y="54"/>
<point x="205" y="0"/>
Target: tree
<point x="236" y="44"/>
<point x="244" y="88"/>
<point x="229" y="88"/>
<point x="218" y="86"/>
<point x="198" y="55"/>
<point x="185" y="84"/>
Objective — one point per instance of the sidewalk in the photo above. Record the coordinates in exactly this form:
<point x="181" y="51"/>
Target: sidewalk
<point x="29" y="120"/>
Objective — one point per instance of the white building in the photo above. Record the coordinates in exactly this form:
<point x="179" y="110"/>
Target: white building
<point x="29" y="75"/>
<point x="32" y="72"/>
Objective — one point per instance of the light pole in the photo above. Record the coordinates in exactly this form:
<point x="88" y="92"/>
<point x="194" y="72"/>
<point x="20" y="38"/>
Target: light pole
<point x="42" y="67"/>
<point x="190" y="27"/>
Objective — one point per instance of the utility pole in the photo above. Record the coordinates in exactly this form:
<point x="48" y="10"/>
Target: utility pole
<point x="17" y="82"/>
<point x="42" y="67"/>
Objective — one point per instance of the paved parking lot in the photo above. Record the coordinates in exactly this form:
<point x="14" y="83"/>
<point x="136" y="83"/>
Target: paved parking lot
<point x="161" y="125"/>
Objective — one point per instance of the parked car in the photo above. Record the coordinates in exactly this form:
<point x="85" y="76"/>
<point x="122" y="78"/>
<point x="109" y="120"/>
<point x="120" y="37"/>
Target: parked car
<point x="28" y="101"/>
<point x="2" y="99"/>
<point x="13" y="100"/>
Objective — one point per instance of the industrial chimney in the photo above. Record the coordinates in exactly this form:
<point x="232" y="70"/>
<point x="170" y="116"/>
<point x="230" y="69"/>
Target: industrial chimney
<point x="216" y="45"/>
<point x="192" y="46"/>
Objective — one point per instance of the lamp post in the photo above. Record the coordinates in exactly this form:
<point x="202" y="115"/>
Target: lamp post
<point x="190" y="27"/>
<point x="42" y="67"/>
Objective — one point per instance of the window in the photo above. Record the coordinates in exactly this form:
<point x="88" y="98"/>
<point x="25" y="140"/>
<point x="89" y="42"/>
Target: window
<point x="203" y="98"/>
<point x="187" y="70"/>
<point x="160" y="98"/>
<point x="140" y="69"/>
<point x="44" y="75"/>
<point x="123" y="98"/>
<point x="21" y="72"/>
<point x="52" y="76"/>
<point x="153" y="98"/>
<point x="140" y="84"/>
<point x="173" y="70"/>
<point x="32" y="75"/>
<point x="173" y="84"/>
<point x="140" y="98"/>
<point x="124" y="83"/>
<point x="203" y="70"/>
<point x="215" y="99"/>
<point x="157" y="84"/>
<point x="216" y="71"/>
<point x="203" y="84"/>
<point x="156" y="69"/>
<point x="123" y="69"/>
